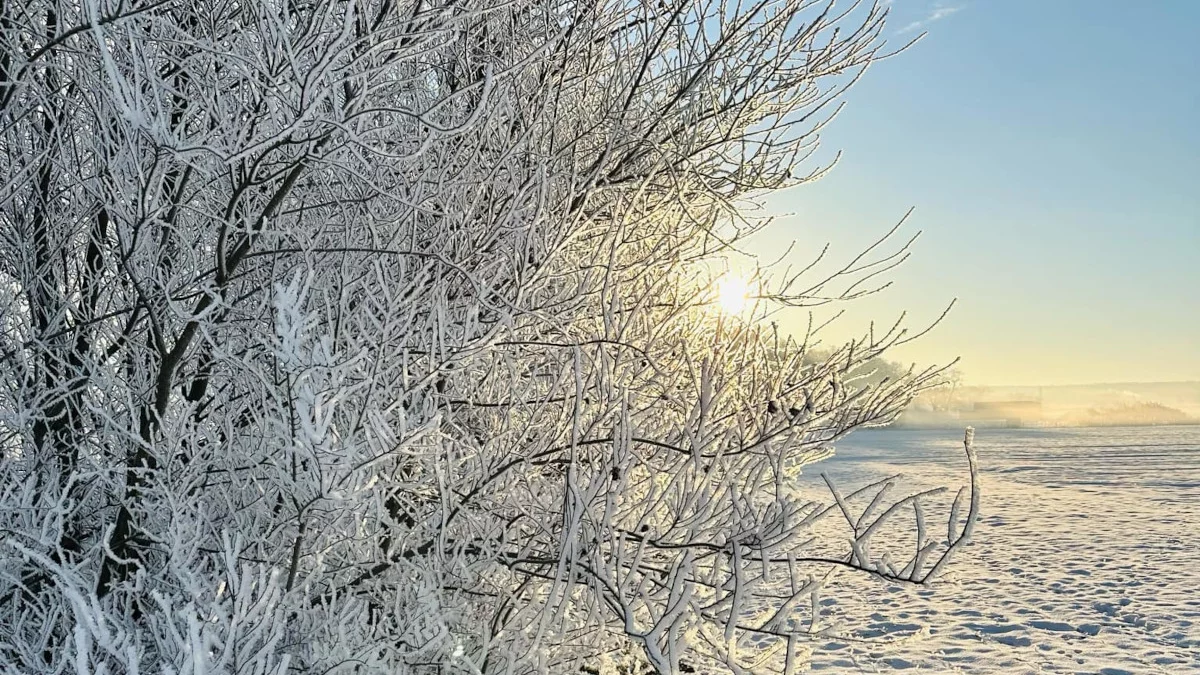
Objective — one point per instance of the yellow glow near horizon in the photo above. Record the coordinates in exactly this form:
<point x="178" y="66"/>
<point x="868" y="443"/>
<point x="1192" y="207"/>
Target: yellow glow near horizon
<point x="733" y="294"/>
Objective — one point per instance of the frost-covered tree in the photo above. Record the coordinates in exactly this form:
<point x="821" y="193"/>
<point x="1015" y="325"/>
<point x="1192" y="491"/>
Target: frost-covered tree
<point x="379" y="336"/>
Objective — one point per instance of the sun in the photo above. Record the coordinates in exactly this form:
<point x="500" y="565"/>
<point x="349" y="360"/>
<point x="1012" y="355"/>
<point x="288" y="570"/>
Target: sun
<point x="733" y="294"/>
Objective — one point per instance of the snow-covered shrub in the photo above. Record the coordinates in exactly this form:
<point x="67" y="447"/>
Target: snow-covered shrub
<point x="378" y="336"/>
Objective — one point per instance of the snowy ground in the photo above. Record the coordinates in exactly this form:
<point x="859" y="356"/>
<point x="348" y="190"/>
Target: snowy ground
<point x="1086" y="558"/>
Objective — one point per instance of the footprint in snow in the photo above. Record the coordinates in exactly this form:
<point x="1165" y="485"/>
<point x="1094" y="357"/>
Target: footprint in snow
<point x="1057" y="626"/>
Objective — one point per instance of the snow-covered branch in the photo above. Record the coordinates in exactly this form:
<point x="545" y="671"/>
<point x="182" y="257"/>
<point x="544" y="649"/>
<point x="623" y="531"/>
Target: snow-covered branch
<point x="355" y="336"/>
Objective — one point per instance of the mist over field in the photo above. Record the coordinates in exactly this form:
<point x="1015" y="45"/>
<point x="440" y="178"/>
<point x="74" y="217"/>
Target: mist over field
<point x="1114" y="404"/>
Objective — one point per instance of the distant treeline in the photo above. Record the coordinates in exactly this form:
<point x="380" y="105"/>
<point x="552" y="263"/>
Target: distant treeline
<point x="1132" y="414"/>
<point x="1135" y="404"/>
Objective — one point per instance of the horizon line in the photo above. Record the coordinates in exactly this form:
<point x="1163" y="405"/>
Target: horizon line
<point x="1089" y="384"/>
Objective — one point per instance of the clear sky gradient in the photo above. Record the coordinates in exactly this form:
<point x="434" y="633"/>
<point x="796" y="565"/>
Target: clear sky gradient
<point x="1052" y="151"/>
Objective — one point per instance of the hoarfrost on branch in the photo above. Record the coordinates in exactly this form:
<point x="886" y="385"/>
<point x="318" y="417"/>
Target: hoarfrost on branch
<point x="376" y="336"/>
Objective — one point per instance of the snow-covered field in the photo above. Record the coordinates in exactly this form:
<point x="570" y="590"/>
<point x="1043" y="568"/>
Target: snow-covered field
<point x="1086" y="558"/>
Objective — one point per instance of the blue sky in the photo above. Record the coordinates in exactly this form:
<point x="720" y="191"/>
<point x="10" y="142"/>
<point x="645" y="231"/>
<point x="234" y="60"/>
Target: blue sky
<point x="1052" y="151"/>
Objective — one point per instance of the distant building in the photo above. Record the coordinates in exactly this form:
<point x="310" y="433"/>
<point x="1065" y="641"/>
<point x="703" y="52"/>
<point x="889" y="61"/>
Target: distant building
<point x="1006" y="413"/>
